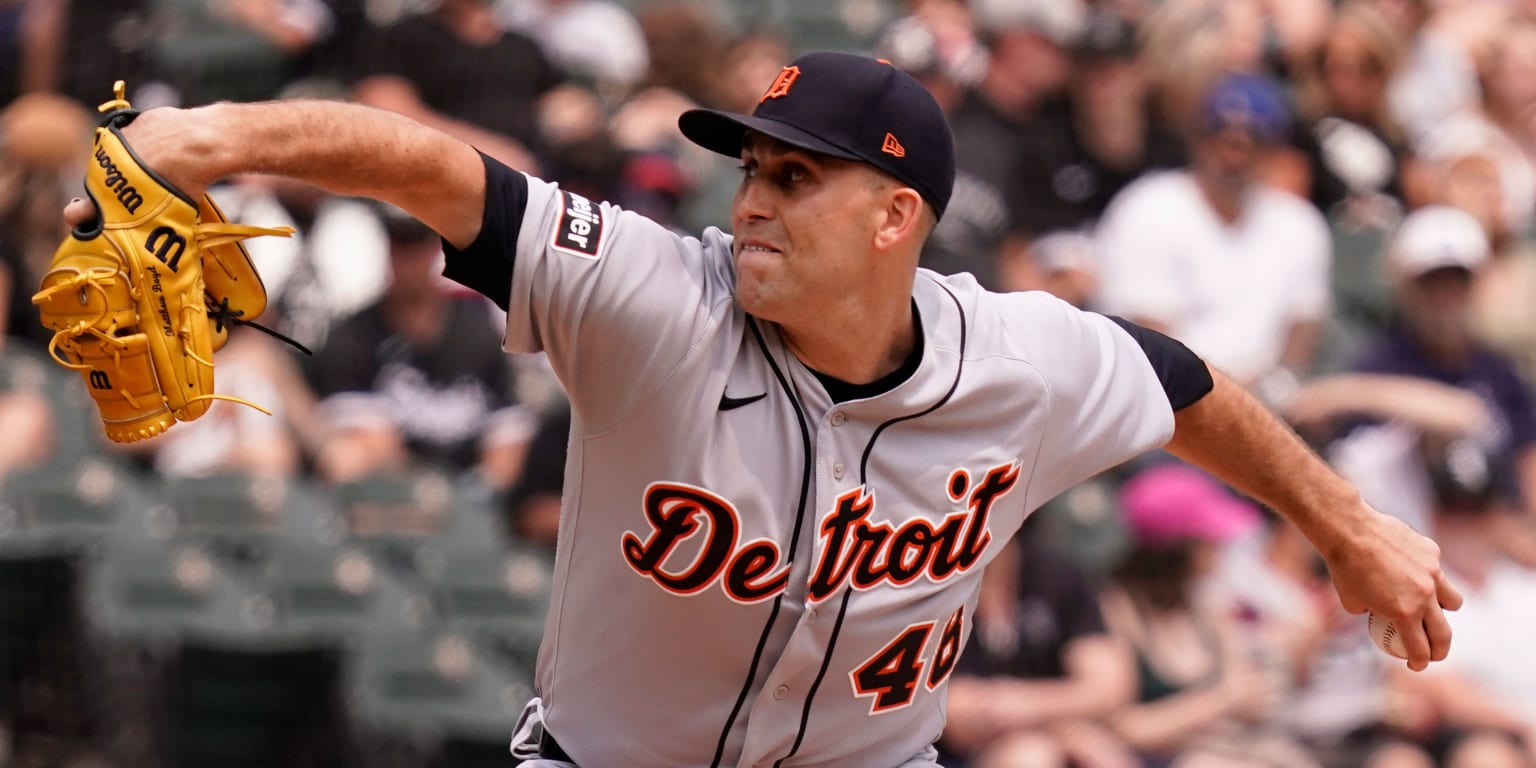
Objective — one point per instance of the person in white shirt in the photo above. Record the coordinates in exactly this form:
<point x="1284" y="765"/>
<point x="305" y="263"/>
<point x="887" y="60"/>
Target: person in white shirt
<point x="1236" y="270"/>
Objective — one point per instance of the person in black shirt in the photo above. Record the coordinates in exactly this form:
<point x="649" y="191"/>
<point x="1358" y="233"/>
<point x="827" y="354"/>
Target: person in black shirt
<point x="995" y="123"/>
<point x="418" y="376"/>
<point x="1354" y="161"/>
<point x="1100" y="137"/>
<point x="457" y="70"/>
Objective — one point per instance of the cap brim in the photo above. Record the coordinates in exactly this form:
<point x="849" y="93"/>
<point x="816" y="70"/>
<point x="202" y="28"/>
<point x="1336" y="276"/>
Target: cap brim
<point x="723" y="132"/>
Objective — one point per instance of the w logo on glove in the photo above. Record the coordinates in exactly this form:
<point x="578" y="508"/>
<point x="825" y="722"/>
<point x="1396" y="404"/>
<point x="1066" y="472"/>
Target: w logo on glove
<point x="162" y="242"/>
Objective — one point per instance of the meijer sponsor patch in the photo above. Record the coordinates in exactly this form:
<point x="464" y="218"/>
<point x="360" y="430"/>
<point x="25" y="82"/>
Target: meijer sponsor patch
<point x="580" y="229"/>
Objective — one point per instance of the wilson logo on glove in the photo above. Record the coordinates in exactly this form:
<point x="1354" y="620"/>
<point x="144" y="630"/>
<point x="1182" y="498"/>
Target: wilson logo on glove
<point x="161" y="241"/>
<point x="117" y="183"/>
<point x="143" y="338"/>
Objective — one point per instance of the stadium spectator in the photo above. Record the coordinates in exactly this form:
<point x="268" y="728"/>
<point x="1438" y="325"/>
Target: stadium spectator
<point x="78" y="47"/>
<point x="1434" y="258"/>
<point x="1234" y="269"/>
<point x="1335" y="700"/>
<point x="945" y="41"/>
<point x="1200" y="697"/>
<point x="44" y="139"/>
<point x="1187" y="44"/>
<point x="533" y="504"/>
<point x="685" y="42"/>
<point x="336" y="263"/>
<point x="1486" y="697"/>
<point x="935" y="45"/>
<point x="12" y="14"/>
<point x="418" y="377"/>
<point x="1357" y="167"/>
<point x="998" y="120"/>
<point x="1041" y="673"/>
<point x="995" y="121"/>
<point x="1438" y="80"/>
<point x="596" y="42"/>
<point x="1504" y="128"/>
<point x="1504" y="317"/>
<point x="456" y="69"/>
<point x="1060" y="263"/>
<point x="1088" y="147"/>
<point x="26" y="416"/>
<point x="239" y="50"/>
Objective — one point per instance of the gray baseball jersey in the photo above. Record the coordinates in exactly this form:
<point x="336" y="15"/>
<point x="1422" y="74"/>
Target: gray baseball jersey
<point x="748" y="573"/>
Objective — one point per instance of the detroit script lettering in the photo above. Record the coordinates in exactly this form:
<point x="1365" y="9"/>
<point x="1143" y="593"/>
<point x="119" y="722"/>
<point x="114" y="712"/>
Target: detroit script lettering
<point x="854" y="550"/>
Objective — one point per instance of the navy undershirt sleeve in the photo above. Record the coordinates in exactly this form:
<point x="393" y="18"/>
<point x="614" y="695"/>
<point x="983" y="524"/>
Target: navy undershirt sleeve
<point x="1184" y="375"/>
<point x="486" y="265"/>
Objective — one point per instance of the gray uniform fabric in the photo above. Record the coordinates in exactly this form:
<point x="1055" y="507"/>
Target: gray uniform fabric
<point x="784" y="580"/>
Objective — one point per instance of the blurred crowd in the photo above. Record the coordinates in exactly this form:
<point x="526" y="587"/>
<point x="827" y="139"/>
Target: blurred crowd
<point x="1332" y="200"/>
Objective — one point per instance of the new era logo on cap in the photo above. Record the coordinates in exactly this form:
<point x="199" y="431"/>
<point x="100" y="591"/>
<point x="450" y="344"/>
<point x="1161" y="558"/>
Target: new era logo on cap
<point x="849" y="107"/>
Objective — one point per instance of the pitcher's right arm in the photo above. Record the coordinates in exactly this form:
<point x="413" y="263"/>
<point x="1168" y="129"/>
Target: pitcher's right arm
<point x="345" y="148"/>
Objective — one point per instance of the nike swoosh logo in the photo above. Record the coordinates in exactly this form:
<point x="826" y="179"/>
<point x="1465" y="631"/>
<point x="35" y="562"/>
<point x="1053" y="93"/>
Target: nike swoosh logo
<point x="728" y="403"/>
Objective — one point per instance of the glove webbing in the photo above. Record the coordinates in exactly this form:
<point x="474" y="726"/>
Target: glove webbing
<point x="222" y="315"/>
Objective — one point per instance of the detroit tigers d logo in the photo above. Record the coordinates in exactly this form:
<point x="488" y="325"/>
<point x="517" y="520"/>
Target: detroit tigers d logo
<point x="781" y="84"/>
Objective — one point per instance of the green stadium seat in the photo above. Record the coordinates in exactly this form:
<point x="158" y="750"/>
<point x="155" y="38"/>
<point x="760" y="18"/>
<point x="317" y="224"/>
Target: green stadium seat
<point x="826" y="25"/>
<point x="156" y="592"/>
<point x="66" y="509"/>
<point x="435" y="685"/>
<point x="337" y="595"/>
<point x="392" y="514"/>
<point x="501" y="600"/>
<point x="238" y="514"/>
<point x="486" y="586"/>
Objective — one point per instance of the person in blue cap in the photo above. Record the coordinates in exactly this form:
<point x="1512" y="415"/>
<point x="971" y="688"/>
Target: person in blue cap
<point x="1237" y="270"/>
<point x="792" y="451"/>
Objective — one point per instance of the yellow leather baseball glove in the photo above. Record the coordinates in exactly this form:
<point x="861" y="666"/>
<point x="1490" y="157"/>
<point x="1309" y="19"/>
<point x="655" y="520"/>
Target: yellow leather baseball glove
<point x="140" y="298"/>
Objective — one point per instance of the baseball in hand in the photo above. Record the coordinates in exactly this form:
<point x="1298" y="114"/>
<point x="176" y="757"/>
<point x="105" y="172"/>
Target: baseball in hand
<point x="1386" y="637"/>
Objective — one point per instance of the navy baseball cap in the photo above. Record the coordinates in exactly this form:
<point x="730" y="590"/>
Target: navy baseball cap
<point x="850" y="107"/>
<point x="1250" y="103"/>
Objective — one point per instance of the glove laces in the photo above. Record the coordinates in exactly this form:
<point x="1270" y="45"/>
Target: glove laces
<point x="97" y="279"/>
